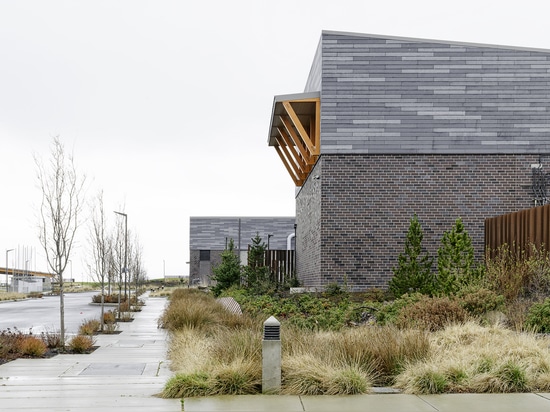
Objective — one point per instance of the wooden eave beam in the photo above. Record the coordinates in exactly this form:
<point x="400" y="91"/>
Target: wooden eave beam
<point x="312" y="149"/>
<point x="287" y="141"/>
<point x="295" y="138"/>
<point x="295" y="163"/>
<point x="297" y="148"/>
<point x="297" y="181"/>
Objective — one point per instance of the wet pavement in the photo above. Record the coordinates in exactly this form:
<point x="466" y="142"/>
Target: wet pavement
<point x="129" y="369"/>
<point x="42" y="315"/>
<point x="124" y="374"/>
<point x="515" y="402"/>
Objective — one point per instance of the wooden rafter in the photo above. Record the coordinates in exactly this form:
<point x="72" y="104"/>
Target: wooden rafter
<point x="295" y="133"/>
<point x="299" y="165"/>
<point x="289" y="165"/>
<point x="312" y="150"/>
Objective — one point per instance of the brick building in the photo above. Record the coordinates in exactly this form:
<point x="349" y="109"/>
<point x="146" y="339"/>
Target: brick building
<point x="388" y="127"/>
<point x="209" y="236"/>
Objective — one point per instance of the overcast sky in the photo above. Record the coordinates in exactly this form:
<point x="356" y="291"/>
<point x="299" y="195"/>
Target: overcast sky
<point x="166" y="104"/>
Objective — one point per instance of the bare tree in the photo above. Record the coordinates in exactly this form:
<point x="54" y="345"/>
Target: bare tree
<point x="62" y="201"/>
<point x="118" y="258"/>
<point x="100" y="243"/>
<point x="136" y="264"/>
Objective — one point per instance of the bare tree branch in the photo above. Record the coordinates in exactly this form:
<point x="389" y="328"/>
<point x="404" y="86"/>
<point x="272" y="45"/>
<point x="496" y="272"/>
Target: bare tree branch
<point x="60" y="212"/>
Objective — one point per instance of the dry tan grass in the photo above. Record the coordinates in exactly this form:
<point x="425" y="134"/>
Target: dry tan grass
<point x="12" y="296"/>
<point x="189" y="351"/>
<point x="223" y="355"/>
<point x="346" y="362"/>
<point x="307" y="374"/>
<point x="473" y="358"/>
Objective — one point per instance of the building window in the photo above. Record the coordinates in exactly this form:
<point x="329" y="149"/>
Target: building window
<point x="204" y="255"/>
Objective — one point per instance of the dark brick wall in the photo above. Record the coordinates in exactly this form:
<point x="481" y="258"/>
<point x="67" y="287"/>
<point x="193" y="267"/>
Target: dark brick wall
<point x="359" y="209"/>
<point x="308" y="229"/>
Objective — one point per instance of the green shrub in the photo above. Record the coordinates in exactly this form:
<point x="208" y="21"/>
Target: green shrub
<point x="455" y="260"/>
<point x="431" y="314"/>
<point x="305" y="310"/>
<point x="389" y="311"/>
<point x="414" y="266"/>
<point x="256" y="275"/>
<point x="334" y="289"/>
<point x="538" y="317"/>
<point x="228" y="272"/>
<point x="375" y="295"/>
<point x="478" y="300"/>
<point x="81" y="343"/>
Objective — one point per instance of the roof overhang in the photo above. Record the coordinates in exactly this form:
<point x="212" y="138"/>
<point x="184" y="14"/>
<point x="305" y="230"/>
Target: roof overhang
<point x="295" y="132"/>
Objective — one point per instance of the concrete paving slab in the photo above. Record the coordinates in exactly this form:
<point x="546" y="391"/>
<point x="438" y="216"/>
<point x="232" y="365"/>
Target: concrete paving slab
<point x="364" y="403"/>
<point x="126" y="373"/>
<point x="531" y="402"/>
<point x="92" y="403"/>
<point x="472" y="402"/>
<point x="114" y="369"/>
<point x="244" y="403"/>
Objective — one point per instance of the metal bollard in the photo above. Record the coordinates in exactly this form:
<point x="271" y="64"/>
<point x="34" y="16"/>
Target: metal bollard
<point x="271" y="356"/>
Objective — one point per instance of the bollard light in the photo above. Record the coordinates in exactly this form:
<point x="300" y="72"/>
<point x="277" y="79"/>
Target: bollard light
<point x="271" y="356"/>
<point x="272" y="329"/>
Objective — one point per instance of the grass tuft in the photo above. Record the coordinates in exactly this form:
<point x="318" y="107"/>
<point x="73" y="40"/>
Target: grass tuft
<point x="89" y="327"/>
<point x="81" y="343"/>
<point x="188" y="385"/>
<point x="240" y="377"/>
<point x="32" y="346"/>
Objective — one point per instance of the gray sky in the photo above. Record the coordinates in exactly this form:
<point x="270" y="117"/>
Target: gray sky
<point x="166" y="104"/>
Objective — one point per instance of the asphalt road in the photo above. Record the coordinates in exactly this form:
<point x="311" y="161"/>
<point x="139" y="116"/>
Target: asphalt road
<point x="42" y="315"/>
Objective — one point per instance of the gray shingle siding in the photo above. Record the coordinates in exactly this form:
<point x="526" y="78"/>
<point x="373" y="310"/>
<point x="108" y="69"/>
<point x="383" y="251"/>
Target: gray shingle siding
<point x="406" y="96"/>
<point x="210" y="233"/>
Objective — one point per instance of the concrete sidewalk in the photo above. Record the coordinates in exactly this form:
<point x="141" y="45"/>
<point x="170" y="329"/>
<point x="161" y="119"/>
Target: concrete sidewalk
<point x="129" y="369"/>
<point x="123" y="374"/>
<point x="514" y="402"/>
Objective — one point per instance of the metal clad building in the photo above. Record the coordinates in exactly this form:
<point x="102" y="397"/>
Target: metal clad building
<point x="389" y="127"/>
<point x="209" y="236"/>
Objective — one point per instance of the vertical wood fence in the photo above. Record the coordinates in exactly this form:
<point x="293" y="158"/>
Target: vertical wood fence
<point x="519" y="230"/>
<point x="281" y="264"/>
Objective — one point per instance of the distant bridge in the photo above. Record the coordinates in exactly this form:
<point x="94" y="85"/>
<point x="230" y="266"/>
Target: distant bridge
<point x="15" y="271"/>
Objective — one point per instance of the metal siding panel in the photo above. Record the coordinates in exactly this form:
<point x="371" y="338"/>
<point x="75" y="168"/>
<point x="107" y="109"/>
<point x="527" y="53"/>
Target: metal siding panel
<point x="397" y="79"/>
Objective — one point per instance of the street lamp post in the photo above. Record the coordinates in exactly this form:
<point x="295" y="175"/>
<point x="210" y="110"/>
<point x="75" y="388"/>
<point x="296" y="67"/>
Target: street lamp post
<point x="7" y="251"/>
<point x="269" y="236"/>
<point x="125" y="255"/>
